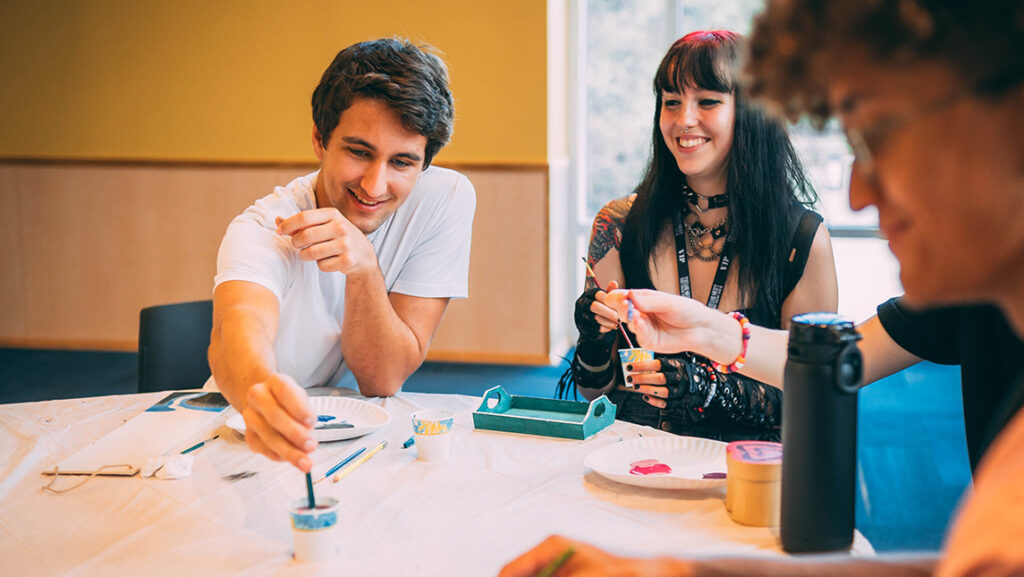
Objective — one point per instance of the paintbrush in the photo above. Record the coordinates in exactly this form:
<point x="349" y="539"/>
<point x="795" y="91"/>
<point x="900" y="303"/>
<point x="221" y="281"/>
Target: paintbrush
<point x="590" y="272"/>
<point x="309" y="491"/>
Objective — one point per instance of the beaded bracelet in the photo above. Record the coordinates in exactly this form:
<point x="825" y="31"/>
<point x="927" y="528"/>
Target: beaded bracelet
<point x="742" y="358"/>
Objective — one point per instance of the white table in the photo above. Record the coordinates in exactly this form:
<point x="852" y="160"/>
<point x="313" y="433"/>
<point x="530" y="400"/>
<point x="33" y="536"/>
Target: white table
<point x="498" y="495"/>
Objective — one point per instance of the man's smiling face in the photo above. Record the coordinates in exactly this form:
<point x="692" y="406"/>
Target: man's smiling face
<point x="936" y="162"/>
<point x="370" y="164"/>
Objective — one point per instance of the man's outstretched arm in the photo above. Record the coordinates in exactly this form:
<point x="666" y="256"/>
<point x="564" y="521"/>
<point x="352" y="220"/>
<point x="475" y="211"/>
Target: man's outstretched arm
<point x="276" y="410"/>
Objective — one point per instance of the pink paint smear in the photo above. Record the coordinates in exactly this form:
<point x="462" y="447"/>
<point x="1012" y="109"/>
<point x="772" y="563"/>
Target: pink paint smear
<point x="649" y="467"/>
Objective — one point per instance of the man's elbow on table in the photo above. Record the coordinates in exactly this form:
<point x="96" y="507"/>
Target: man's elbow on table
<point x="385" y="383"/>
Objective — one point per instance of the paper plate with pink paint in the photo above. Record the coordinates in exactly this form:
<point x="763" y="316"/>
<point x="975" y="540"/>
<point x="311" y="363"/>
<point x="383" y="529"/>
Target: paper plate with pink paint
<point x="662" y="462"/>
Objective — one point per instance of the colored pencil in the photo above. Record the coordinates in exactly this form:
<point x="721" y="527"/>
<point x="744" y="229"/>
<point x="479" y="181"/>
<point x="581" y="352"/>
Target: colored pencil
<point x="343" y="462"/>
<point x="361" y="460"/>
<point x="549" y="569"/>
<point x="198" y="445"/>
<point x="409" y="442"/>
<point x="590" y="272"/>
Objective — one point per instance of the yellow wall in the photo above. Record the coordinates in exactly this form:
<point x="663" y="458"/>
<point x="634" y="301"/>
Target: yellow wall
<point x="214" y="80"/>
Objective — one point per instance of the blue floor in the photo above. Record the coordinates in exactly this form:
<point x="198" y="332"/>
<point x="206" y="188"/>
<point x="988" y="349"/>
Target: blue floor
<point x="912" y="457"/>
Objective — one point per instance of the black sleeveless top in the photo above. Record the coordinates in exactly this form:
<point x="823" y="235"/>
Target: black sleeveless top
<point x="743" y="408"/>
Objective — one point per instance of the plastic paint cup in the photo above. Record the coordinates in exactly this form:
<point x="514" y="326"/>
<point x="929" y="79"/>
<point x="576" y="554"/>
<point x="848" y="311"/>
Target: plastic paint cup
<point x="432" y="429"/>
<point x="315" y="531"/>
<point x="628" y="356"/>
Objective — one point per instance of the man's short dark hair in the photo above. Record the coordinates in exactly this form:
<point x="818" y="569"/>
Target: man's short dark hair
<point x="411" y="80"/>
<point x="796" y="42"/>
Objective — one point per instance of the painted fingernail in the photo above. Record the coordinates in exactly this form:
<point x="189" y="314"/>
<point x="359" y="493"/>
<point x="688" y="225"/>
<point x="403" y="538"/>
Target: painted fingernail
<point x="629" y="367"/>
<point x="309" y="445"/>
<point x="305" y="464"/>
<point x="629" y="379"/>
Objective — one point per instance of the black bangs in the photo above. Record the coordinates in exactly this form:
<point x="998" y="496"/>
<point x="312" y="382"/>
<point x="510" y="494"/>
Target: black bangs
<point x="708" y="60"/>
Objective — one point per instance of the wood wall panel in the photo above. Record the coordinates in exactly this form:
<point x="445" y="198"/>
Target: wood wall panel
<point x="86" y="246"/>
<point x="12" y="258"/>
<point x="505" y="317"/>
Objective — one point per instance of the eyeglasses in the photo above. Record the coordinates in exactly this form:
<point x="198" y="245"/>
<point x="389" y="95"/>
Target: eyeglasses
<point x="866" y="142"/>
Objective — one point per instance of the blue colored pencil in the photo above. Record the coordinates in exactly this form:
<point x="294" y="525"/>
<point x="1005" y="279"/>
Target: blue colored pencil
<point x="344" y="462"/>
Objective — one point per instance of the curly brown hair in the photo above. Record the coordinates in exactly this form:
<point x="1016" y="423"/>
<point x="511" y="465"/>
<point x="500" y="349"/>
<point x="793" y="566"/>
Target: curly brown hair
<point x="796" y="42"/>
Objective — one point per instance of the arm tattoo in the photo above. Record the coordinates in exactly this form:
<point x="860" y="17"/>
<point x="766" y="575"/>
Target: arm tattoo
<point x="607" y="231"/>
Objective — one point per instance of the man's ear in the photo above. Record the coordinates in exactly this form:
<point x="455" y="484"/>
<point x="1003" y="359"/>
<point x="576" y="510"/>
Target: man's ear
<point x="318" y="147"/>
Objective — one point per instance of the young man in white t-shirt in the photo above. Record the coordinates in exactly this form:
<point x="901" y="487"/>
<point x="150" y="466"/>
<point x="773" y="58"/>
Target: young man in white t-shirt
<point x="350" y="268"/>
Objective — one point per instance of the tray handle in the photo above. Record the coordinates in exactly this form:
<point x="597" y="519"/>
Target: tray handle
<point x="600" y="413"/>
<point x="496" y="400"/>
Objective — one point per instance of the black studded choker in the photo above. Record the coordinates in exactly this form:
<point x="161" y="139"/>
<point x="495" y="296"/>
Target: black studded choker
<point x="701" y="203"/>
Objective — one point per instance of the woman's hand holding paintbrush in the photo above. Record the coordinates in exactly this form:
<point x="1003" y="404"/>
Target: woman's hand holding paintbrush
<point x="605" y="315"/>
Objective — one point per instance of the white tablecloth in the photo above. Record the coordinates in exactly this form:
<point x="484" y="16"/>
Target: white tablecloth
<point x="498" y="495"/>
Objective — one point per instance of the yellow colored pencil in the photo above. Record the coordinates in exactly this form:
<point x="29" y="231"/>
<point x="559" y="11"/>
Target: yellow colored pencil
<point x="363" y="459"/>
<point x="556" y="563"/>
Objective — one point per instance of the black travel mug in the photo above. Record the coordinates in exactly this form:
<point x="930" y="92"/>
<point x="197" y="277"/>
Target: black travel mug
<point x="819" y="434"/>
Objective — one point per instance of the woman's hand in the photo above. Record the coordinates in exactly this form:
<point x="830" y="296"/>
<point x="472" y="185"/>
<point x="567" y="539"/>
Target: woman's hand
<point x="594" y="317"/>
<point x="662" y="379"/>
<point x="647" y="378"/>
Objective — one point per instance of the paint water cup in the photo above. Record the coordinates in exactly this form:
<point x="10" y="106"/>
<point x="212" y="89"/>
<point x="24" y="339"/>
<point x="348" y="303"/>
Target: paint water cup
<point x="629" y="356"/>
<point x="315" y="531"/>
<point x="433" y="431"/>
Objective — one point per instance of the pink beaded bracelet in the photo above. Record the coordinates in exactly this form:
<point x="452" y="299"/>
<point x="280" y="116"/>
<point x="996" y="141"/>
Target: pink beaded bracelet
<point x="742" y="358"/>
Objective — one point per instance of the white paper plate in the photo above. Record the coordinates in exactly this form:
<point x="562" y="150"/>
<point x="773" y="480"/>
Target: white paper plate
<point x="364" y="417"/>
<point x="690" y="458"/>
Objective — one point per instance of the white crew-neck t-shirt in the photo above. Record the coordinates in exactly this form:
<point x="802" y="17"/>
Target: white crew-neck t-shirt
<point x="422" y="249"/>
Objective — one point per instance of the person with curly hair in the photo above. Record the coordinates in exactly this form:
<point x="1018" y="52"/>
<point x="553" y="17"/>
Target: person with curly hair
<point x="721" y="217"/>
<point x="930" y="94"/>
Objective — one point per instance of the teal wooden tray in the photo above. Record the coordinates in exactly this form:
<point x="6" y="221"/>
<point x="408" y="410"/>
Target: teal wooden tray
<point x="501" y="411"/>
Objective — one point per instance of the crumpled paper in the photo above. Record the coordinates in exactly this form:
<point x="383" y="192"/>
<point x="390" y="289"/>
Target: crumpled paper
<point x="168" y="467"/>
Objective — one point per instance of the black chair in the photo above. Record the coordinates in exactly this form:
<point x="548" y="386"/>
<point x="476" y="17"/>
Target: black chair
<point x="172" y="346"/>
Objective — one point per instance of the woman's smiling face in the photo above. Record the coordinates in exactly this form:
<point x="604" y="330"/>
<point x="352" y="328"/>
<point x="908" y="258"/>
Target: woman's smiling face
<point x="697" y="127"/>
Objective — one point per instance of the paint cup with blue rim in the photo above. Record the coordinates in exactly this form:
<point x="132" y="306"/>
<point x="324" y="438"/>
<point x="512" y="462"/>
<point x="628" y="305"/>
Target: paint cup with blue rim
<point x="630" y="356"/>
<point x="432" y="429"/>
<point x="315" y="531"/>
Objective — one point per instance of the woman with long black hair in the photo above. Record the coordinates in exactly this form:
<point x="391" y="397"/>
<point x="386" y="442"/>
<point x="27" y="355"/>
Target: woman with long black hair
<point x="720" y="216"/>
